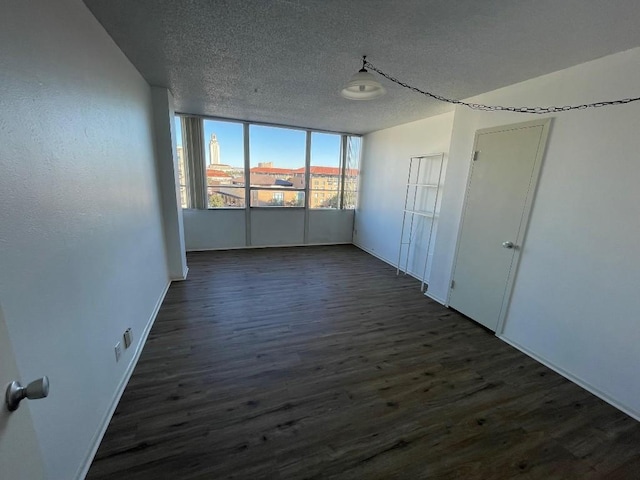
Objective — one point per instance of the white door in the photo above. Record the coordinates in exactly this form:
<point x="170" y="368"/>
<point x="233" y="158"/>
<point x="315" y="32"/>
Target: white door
<point x="502" y="183"/>
<point x="19" y="452"/>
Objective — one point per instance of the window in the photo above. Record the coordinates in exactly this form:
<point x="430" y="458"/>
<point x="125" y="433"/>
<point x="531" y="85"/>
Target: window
<point x="325" y="170"/>
<point x="351" y="171"/>
<point x="224" y="163"/>
<point x="182" y="167"/>
<point x="277" y="166"/>
<point x="211" y="161"/>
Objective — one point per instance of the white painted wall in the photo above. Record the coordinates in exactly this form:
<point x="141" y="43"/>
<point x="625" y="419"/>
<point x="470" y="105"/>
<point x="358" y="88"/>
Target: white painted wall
<point x="214" y="229"/>
<point x="383" y="178"/>
<point x="270" y="227"/>
<point x="330" y="226"/>
<point x="167" y="164"/>
<point x="575" y="302"/>
<point x="82" y="254"/>
<point x="277" y="226"/>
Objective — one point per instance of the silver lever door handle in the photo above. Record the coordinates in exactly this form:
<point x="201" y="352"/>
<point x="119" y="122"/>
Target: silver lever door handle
<point x="508" y="244"/>
<point x="16" y="392"/>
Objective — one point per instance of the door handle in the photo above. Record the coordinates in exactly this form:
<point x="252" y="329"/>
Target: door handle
<point x="16" y="392"/>
<point x="508" y="245"/>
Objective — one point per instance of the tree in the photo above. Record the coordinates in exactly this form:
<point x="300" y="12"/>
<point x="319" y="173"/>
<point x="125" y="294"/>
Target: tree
<point x="350" y="198"/>
<point x="216" y="201"/>
<point x="333" y="202"/>
<point x="296" y="202"/>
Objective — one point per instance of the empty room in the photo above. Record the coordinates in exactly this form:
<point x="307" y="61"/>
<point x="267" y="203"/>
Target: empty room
<point x="311" y="239"/>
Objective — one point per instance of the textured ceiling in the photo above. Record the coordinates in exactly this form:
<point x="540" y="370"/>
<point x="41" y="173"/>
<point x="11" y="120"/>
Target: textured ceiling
<point x="285" y="61"/>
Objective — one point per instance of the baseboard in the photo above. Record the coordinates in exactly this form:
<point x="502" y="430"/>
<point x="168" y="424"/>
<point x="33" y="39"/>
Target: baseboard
<point x="437" y="299"/>
<point x="95" y="443"/>
<point x="183" y="277"/>
<point x="215" y="249"/>
<point x="578" y="381"/>
<point x="374" y="254"/>
<point x="386" y="260"/>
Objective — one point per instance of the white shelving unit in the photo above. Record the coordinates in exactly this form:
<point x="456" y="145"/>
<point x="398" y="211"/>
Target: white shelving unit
<point x="420" y="207"/>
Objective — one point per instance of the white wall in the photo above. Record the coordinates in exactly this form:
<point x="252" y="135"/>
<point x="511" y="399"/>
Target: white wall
<point x="330" y="226"/>
<point x="383" y="178"/>
<point x="270" y="227"/>
<point x="167" y="164"/>
<point x="277" y="226"/>
<point x="82" y="255"/>
<point x="214" y="229"/>
<point x="575" y="301"/>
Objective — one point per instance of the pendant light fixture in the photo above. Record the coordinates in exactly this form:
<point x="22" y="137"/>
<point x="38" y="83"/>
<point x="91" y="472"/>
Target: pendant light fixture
<point x="363" y="86"/>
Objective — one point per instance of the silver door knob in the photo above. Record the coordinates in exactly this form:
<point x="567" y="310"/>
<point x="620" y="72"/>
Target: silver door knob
<point x="508" y="244"/>
<point x="16" y="392"/>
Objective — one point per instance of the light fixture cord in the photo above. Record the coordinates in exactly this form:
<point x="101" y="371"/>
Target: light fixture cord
<point x="499" y="108"/>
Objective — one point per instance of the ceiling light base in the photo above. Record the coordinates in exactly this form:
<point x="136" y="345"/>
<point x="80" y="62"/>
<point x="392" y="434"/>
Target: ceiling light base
<point x="363" y="86"/>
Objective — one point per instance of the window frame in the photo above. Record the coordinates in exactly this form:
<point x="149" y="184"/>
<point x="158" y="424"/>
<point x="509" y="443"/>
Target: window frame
<point x="326" y="182"/>
<point x="248" y="188"/>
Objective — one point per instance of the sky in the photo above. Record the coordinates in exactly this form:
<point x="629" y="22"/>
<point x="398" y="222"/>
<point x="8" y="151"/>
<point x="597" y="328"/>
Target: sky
<point x="283" y="146"/>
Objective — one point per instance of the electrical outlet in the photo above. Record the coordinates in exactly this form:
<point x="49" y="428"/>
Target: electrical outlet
<point x="128" y="337"/>
<point x="118" y="350"/>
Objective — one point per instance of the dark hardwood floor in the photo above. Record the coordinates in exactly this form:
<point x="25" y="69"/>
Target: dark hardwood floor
<point x="320" y="363"/>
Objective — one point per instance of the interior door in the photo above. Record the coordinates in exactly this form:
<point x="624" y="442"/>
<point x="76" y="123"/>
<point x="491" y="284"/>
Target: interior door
<point x="502" y="182"/>
<point x="19" y="452"/>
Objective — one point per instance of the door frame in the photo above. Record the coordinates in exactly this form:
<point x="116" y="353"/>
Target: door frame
<point x="545" y="123"/>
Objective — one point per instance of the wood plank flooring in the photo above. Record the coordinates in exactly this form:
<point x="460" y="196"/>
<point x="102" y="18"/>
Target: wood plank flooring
<point x="320" y="363"/>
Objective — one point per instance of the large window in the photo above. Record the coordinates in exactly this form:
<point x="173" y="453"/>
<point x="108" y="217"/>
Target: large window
<point x="277" y="166"/>
<point x="325" y="173"/>
<point x="211" y="166"/>
<point x="224" y="162"/>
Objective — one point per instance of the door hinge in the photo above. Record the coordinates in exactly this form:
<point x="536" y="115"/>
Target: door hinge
<point x="453" y="284"/>
<point x="475" y="155"/>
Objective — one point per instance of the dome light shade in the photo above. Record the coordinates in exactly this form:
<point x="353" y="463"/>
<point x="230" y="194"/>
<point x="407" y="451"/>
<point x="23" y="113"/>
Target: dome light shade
<point x="363" y="86"/>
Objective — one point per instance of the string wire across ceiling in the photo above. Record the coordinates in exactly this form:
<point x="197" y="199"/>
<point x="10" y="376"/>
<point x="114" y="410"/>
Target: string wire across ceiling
<point x="477" y="106"/>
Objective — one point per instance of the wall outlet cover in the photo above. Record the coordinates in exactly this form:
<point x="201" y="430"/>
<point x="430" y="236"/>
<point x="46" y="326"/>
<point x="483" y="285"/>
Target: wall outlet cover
<point x="128" y="338"/>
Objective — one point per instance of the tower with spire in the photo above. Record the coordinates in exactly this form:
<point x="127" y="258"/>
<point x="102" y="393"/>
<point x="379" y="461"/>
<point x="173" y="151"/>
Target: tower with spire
<point x="214" y="150"/>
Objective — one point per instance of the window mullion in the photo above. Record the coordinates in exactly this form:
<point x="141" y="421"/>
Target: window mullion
<point x="247" y="185"/>
<point x="343" y="171"/>
<point x="307" y="181"/>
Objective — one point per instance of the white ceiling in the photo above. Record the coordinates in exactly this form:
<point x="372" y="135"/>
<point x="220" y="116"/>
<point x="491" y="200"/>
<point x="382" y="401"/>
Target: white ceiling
<point x="285" y="61"/>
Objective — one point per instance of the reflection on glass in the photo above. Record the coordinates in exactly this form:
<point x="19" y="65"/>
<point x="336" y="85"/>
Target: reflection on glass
<point x="271" y="197"/>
